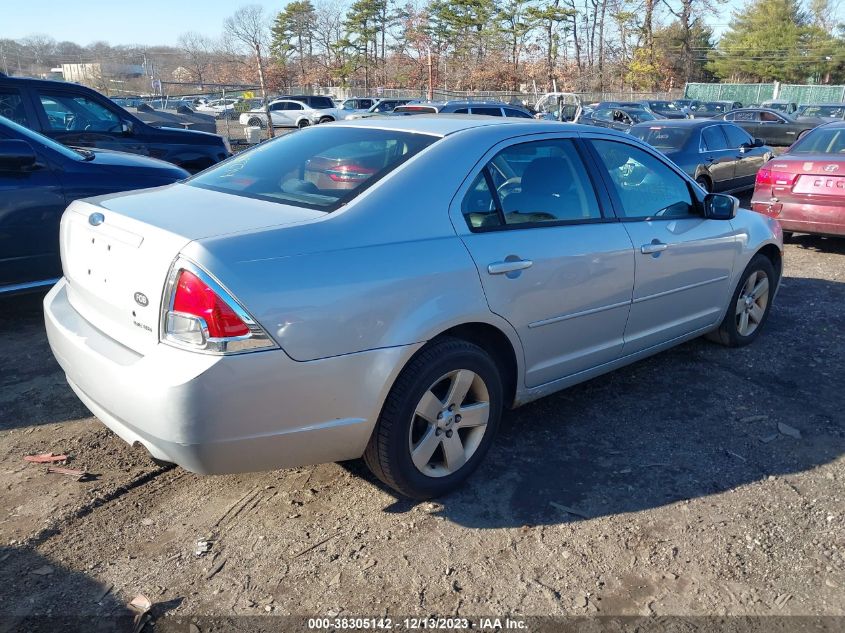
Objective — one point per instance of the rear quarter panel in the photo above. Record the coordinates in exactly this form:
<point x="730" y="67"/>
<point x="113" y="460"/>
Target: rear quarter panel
<point x="386" y="270"/>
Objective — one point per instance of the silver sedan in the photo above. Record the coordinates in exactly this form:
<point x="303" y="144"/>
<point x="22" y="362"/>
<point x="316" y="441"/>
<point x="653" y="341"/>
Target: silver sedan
<point x="385" y="288"/>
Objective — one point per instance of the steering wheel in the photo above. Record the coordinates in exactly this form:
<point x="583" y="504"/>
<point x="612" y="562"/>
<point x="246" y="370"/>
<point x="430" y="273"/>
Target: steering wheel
<point x="509" y="186"/>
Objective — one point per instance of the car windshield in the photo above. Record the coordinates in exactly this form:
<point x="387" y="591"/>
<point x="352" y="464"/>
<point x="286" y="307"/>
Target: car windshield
<point x="831" y="111"/>
<point x="822" y="140"/>
<point x="641" y="115"/>
<point x="38" y="139"/>
<point x="319" y="168"/>
<point x="663" y="105"/>
<point x="663" y="138"/>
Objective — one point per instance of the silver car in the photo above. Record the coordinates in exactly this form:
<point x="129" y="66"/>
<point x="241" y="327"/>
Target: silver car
<point x="385" y="288"/>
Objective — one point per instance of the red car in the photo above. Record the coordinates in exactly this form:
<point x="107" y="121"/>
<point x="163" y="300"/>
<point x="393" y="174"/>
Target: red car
<point x="804" y="189"/>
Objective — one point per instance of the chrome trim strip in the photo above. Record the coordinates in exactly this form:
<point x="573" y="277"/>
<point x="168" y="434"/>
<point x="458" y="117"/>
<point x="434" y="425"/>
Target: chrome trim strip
<point x="575" y="315"/>
<point x="29" y="285"/>
<point x="681" y="289"/>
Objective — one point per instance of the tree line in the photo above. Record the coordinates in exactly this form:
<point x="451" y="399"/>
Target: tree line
<point x="578" y="45"/>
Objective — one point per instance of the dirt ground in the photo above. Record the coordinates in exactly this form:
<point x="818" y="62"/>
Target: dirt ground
<point x="703" y="481"/>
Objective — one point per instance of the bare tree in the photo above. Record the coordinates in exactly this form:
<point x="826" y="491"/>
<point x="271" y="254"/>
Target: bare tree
<point x="249" y="27"/>
<point x="198" y="50"/>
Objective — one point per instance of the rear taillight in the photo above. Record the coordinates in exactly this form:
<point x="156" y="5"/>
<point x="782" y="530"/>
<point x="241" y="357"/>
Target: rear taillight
<point x="199" y="314"/>
<point x="768" y="176"/>
<point x="350" y="173"/>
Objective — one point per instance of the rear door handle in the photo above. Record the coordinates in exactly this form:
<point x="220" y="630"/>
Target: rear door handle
<point x="654" y="247"/>
<point x="500" y="268"/>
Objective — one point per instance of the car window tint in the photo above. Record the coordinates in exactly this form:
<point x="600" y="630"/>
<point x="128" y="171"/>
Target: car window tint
<point x="479" y="206"/>
<point x="712" y="139"/>
<point x="603" y="115"/>
<point x="517" y="114"/>
<point x="543" y="181"/>
<point x="320" y="103"/>
<point x="487" y="111"/>
<point x="745" y="116"/>
<point x="770" y="117"/>
<point x="821" y="140"/>
<point x="11" y="106"/>
<point x="320" y="168"/>
<point x="736" y="136"/>
<point x="646" y="187"/>
<point x="462" y="111"/>
<point x="663" y="138"/>
<point x="77" y="113"/>
<point x="295" y="106"/>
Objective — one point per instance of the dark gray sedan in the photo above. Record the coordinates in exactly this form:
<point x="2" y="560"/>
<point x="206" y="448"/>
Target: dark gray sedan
<point x="719" y="155"/>
<point x="775" y="128"/>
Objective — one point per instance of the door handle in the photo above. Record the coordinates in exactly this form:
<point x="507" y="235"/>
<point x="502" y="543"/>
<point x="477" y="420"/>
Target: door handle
<point x="654" y="247"/>
<point x="500" y="268"/>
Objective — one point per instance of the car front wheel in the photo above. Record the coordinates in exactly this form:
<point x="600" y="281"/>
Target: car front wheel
<point x="303" y="123"/>
<point x="750" y="304"/>
<point x="438" y="420"/>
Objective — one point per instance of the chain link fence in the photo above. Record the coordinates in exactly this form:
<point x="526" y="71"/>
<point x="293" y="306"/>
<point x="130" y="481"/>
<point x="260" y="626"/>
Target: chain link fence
<point x="757" y="93"/>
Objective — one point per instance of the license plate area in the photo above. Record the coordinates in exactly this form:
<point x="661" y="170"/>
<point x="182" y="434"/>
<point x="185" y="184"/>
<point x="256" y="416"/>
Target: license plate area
<point x="820" y="185"/>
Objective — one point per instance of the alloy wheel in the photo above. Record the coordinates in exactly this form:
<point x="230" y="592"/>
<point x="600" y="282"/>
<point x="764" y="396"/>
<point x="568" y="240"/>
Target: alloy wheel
<point x="752" y="302"/>
<point x="449" y="423"/>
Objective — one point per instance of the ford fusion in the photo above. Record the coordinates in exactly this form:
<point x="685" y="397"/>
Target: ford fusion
<point x="385" y="288"/>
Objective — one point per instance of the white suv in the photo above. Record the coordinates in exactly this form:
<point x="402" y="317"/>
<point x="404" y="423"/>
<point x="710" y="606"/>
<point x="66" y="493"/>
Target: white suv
<point x="289" y="113"/>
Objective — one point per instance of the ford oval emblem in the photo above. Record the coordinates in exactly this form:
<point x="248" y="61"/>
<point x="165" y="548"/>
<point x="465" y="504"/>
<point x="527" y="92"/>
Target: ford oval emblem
<point x="96" y="219"/>
<point x="141" y="299"/>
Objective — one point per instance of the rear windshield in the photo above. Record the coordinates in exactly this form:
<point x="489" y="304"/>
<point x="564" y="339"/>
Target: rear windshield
<point x="321" y="103"/>
<point x="830" y="140"/>
<point x="833" y="112"/>
<point x="318" y="168"/>
<point x="665" y="138"/>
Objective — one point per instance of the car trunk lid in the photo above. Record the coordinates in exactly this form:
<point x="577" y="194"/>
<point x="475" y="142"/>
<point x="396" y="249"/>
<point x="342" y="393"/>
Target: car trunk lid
<point x="117" y="250"/>
<point x="807" y="177"/>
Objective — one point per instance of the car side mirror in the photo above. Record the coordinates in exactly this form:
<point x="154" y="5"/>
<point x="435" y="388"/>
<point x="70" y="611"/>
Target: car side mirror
<point x="127" y="127"/>
<point x="16" y="155"/>
<point x="720" y="206"/>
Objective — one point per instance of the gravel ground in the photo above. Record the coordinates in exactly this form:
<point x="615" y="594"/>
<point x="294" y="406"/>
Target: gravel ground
<point x="703" y="481"/>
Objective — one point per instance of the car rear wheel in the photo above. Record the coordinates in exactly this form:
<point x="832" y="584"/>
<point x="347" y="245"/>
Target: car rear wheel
<point x="303" y="123"/>
<point x="256" y="122"/>
<point x="704" y="183"/>
<point x="326" y="119"/>
<point x="750" y="304"/>
<point x="438" y="420"/>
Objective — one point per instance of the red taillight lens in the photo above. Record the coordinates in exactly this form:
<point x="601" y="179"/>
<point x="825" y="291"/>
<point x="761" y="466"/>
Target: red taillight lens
<point x="350" y="173"/>
<point x="194" y="297"/>
<point x="768" y="176"/>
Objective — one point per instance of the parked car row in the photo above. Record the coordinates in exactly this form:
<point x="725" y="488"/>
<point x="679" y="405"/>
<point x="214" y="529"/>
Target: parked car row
<point x="211" y="336"/>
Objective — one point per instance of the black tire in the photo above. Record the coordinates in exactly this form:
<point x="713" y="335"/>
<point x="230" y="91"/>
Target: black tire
<point x="728" y="333"/>
<point x="256" y="122"/>
<point x="704" y="183"/>
<point x="788" y="237"/>
<point x="388" y="454"/>
<point x="303" y="123"/>
<point x="326" y="119"/>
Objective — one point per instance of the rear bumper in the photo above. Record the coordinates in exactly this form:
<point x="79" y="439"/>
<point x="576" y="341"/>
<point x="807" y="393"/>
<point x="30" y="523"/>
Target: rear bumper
<point x="223" y="414"/>
<point x="804" y="218"/>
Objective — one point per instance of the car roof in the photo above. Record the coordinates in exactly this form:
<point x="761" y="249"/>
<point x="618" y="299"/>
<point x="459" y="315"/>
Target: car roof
<point x="446" y="124"/>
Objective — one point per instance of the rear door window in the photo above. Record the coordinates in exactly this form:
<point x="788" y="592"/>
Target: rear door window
<point x="712" y="139"/>
<point x="517" y="114"/>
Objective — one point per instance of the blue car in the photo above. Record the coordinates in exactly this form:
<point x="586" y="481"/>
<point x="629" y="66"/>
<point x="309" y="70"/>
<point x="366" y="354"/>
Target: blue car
<point x="38" y="179"/>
